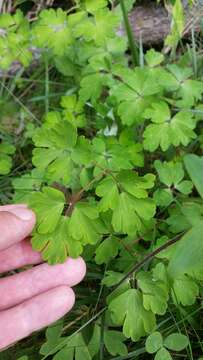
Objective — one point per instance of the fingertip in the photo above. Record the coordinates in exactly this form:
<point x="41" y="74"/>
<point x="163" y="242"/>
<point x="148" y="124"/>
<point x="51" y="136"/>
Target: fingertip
<point x="77" y="269"/>
<point x="12" y="206"/>
<point x="15" y="225"/>
<point x="68" y="297"/>
<point x="24" y="214"/>
<point x="21" y="211"/>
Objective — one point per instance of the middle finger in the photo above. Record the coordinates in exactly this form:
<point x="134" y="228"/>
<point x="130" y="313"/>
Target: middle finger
<point x="18" y="255"/>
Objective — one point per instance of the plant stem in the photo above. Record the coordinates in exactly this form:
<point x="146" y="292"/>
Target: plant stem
<point x="76" y="197"/>
<point x="132" y="43"/>
<point x="149" y="256"/>
<point x="101" y="350"/>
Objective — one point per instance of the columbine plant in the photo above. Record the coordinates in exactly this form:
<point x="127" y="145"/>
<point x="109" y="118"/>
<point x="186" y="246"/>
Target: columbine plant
<point x="113" y="178"/>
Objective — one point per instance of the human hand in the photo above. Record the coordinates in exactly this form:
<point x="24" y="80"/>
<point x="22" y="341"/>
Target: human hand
<point x="35" y="298"/>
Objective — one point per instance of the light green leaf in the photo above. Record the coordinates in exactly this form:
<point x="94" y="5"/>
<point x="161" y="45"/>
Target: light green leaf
<point x="185" y="187"/>
<point x="56" y="33"/>
<point x="177" y="25"/>
<point x="53" y="338"/>
<point x="159" y="112"/>
<point x="107" y="189"/>
<point x="190" y="247"/>
<point x="133" y="93"/>
<point x="127" y="309"/>
<point x="43" y="157"/>
<point x="154" y="58"/>
<point x="6" y="20"/>
<point x="167" y="81"/>
<point x="107" y="250"/>
<point x="85" y="225"/>
<point x="111" y="278"/>
<point x="155" y="293"/>
<point x="92" y="6"/>
<point x="175" y="131"/>
<point x="48" y="206"/>
<point x="77" y="348"/>
<point x="91" y="87"/>
<point x="26" y="184"/>
<point x="122" y="223"/>
<point x="154" y="342"/>
<point x="185" y="290"/>
<point x="65" y="353"/>
<point x="190" y="91"/>
<point x="180" y="73"/>
<point x="163" y="197"/>
<point x="170" y="173"/>
<point x="134" y="184"/>
<point x="157" y="135"/>
<point x="73" y="110"/>
<point x="113" y="340"/>
<point x="61" y="170"/>
<point x="137" y="209"/>
<point x="95" y="341"/>
<point x="58" y="245"/>
<point x="186" y="216"/>
<point x="86" y="178"/>
<point x="131" y="112"/>
<point x="5" y="164"/>
<point x="6" y="150"/>
<point x="57" y="164"/>
<point x="59" y="134"/>
<point x="194" y="167"/>
<point x="54" y="142"/>
<point x="81" y="153"/>
<point x="108" y="154"/>
<point x="101" y="29"/>
<point x="163" y="354"/>
<point x="176" y="342"/>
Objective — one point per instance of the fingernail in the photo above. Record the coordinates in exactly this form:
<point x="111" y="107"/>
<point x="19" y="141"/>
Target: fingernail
<point x="22" y="213"/>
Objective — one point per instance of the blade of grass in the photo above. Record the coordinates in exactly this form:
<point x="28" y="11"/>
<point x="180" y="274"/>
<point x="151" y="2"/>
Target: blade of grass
<point x="189" y="352"/>
<point x="194" y="53"/>
<point x="101" y="349"/>
<point x="46" y="86"/>
<point x="171" y="327"/>
<point x="133" y="354"/>
<point x="141" y="53"/>
<point x="132" y="43"/>
<point x="19" y="102"/>
<point x="43" y="97"/>
<point x="37" y="81"/>
<point x="63" y="343"/>
<point x="13" y="82"/>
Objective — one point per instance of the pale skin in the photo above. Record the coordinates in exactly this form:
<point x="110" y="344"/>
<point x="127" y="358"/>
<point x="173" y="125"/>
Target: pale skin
<point x="37" y="297"/>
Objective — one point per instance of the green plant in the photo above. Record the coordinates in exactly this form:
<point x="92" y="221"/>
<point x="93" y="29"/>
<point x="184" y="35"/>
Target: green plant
<point x="156" y="344"/>
<point x="6" y="150"/>
<point x="177" y="26"/>
<point x="113" y="179"/>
